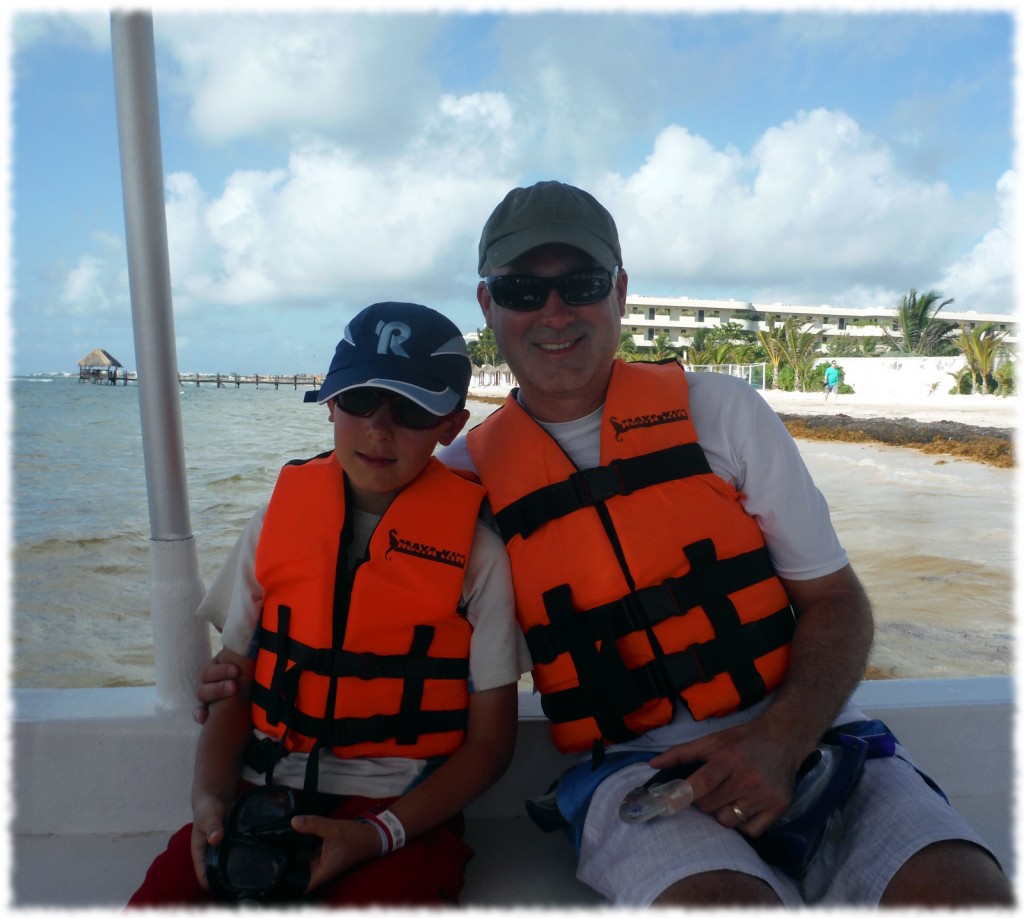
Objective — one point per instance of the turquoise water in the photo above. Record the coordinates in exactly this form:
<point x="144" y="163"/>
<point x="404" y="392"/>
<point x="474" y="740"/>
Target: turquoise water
<point x="930" y="539"/>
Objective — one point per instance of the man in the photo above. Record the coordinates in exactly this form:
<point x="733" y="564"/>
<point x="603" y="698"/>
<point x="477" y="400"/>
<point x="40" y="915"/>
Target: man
<point x="596" y="529"/>
<point x="832" y="377"/>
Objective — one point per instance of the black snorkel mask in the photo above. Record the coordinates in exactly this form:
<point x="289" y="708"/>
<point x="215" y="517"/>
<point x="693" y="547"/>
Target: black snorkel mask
<point x="261" y="858"/>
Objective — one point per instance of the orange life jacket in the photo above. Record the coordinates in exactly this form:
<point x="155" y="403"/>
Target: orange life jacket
<point x="375" y="663"/>
<point x="637" y="582"/>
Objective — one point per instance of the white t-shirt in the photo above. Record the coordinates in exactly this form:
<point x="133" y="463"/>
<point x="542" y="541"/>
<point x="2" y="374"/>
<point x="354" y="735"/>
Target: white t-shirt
<point x="497" y="653"/>
<point x="747" y="445"/>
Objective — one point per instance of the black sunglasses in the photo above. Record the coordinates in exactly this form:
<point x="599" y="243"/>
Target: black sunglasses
<point x="526" y="293"/>
<point x="365" y="400"/>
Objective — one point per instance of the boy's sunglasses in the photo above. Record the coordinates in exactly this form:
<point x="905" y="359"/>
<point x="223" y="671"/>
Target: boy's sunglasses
<point x="364" y="401"/>
<point x="526" y="293"/>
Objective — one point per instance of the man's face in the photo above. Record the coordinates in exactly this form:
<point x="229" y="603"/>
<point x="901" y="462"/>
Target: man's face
<point x="561" y="355"/>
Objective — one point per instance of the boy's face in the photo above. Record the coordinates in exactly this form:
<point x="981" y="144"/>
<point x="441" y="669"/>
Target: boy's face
<point x="381" y="457"/>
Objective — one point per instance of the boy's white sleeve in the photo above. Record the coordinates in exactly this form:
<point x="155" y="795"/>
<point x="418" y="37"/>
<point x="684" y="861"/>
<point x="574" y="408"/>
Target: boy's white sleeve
<point x="497" y="654"/>
<point x="234" y="601"/>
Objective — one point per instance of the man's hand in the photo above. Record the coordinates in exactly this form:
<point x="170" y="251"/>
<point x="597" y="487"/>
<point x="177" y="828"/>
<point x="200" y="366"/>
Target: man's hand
<point x="216" y="681"/>
<point x="746" y="779"/>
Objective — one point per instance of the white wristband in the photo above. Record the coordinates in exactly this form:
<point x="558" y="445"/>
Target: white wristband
<point x="390" y="829"/>
<point x="394" y="827"/>
<point x="384" y="839"/>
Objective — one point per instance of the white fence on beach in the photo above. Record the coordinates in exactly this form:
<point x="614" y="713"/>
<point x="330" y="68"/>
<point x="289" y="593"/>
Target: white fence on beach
<point x="753" y="373"/>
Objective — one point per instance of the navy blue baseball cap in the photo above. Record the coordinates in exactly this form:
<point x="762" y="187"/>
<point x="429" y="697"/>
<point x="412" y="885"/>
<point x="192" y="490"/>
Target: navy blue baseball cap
<point x="405" y="348"/>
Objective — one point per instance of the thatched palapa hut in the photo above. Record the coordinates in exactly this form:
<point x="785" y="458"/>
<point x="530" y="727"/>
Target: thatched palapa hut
<point x="99" y="366"/>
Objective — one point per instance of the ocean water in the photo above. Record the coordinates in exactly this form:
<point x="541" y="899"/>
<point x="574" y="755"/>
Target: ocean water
<point x="932" y="540"/>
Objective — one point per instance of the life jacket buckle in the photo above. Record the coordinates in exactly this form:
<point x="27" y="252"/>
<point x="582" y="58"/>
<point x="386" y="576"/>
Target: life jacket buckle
<point x="363" y="666"/>
<point x="592" y="486"/>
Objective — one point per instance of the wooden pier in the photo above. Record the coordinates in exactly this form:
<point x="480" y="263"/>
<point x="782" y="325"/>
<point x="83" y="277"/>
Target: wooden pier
<point x="218" y="380"/>
<point x="236" y="380"/>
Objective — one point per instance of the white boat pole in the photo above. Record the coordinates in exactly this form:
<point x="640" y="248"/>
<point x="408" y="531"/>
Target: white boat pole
<point x="180" y="641"/>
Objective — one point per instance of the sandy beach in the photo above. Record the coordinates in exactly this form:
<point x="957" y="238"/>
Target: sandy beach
<point x="975" y="410"/>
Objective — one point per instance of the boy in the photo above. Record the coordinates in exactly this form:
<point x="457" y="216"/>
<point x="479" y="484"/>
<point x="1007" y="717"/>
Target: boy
<point x="395" y="654"/>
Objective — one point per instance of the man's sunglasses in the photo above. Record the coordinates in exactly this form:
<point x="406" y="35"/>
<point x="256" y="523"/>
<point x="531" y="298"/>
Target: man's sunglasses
<point x="526" y="293"/>
<point x="365" y="400"/>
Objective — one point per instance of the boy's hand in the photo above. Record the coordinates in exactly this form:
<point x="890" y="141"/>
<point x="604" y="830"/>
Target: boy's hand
<point x="207" y="829"/>
<point x="345" y="843"/>
<point x="216" y="681"/>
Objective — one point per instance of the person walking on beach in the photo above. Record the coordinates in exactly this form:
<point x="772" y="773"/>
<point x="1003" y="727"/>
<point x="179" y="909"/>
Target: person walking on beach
<point x="412" y="614"/>
<point x="832" y="381"/>
<point x="727" y="638"/>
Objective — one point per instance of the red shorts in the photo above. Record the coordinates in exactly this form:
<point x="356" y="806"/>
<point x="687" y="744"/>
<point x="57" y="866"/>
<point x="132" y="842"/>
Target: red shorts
<point x="429" y="870"/>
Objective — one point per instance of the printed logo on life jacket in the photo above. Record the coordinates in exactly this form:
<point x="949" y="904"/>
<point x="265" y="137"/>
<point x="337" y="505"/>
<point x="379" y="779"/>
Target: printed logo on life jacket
<point x="625" y="425"/>
<point x="419" y="550"/>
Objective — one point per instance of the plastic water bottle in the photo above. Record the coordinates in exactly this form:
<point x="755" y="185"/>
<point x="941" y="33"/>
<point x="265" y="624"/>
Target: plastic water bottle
<point x="814" y="776"/>
<point x="643" y="803"/>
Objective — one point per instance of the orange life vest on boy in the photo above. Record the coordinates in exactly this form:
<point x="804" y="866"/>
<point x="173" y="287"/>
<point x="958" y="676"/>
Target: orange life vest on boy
<point x="376" y="662"/>
<point x="641" y="581"/>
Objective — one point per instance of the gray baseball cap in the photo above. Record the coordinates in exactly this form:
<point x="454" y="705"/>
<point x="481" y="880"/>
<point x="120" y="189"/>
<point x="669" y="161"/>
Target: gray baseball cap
<point x="544" y="213"/>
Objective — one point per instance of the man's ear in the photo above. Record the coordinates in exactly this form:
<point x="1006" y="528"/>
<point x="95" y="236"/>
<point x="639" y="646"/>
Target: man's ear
<point x="483" y="297"/>
<point x="621" y="286"/>
<point x="452" y="426"/>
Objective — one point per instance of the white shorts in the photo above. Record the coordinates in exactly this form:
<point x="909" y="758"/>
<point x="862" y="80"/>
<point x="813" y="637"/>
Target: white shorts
<point x="891" y="815"/>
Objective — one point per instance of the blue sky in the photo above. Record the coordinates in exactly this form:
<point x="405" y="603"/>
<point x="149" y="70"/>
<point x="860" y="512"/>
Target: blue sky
<point x="315" y="163"/>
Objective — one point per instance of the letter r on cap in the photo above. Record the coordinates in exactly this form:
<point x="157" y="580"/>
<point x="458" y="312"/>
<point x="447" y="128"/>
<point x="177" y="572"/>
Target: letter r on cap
<point x="391" y="336"/>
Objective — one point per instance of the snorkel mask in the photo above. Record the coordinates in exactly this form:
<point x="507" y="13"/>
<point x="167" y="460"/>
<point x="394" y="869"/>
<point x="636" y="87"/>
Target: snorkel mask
<point x="262" y="858"/>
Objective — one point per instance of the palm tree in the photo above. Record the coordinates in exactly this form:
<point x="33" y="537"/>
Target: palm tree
<point x="842" y="346"/>
<point x="921" y="332"/>
<point x="981" y="348"/>
<point x="662" y="350"/>
<point x="485" y="349"/>
<point x="1005" y="375"/>
<point x="627" y="348"/>
<point x="771" y="340"/>
<point x="800" y="348"/>
<point x="713" y="354"/>
<point x="868" y="346"/>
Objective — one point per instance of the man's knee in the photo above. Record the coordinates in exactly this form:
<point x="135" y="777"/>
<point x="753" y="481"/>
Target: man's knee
<point x="719" y="887"/>
<point x="949" y="874"/>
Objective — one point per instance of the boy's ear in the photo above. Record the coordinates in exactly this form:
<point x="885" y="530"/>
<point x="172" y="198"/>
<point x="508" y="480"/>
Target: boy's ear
<point x="452" y="426"/>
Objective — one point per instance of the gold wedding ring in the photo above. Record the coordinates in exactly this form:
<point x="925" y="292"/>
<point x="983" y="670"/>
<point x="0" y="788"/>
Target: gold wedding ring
<point x="738" y="812"/>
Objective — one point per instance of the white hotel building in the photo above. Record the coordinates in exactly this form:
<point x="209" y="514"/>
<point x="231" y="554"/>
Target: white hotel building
<point x="680" y="317"/>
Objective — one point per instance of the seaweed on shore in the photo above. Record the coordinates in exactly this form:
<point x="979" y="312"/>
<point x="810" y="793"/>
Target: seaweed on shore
<point x="989" y="445"/>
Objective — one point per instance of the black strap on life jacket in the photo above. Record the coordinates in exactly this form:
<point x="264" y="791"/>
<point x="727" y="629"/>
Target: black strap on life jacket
<point x="649" y="606"/>
<point x="414" y="668"/>
<point x="588" y="487"/>
<point x="607" y="690"/>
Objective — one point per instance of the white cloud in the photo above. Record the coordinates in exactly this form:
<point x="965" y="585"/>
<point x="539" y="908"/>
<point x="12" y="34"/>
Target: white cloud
<point x="92" y="286"/>
<point x="337" y="75"/>
<point x="983" y="280"/>
<point x="817" y="208"/>
<point x="815" y="212"/>
<point x="78" y="28"/>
